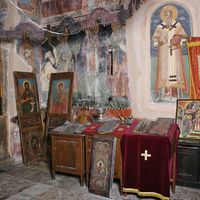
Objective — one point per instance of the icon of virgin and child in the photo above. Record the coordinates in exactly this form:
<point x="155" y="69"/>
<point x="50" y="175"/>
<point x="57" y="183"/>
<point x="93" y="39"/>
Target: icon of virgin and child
<point x="59" y="100"/>
<point x="28" y="99"/>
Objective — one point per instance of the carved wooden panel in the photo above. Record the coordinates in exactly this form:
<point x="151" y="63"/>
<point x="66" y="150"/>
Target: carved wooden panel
<point x="67" y="160"/>
<point x="3" y="137"/>
<point x="32" y="143"/>
<point x="71" y="160"/>
<point x="29" y="117"/>
<point x="31" y="121"/>
<point x="118" y="158"/>
<point x="189" y="163"/>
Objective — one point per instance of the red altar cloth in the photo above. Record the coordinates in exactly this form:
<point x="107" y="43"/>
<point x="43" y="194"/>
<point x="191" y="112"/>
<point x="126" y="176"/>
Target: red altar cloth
<point x="150" y="177"/>
<point x="118" y="131"/>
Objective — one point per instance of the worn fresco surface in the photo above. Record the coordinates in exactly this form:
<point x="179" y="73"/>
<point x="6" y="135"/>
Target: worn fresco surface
<point x="15" y="144"/>
<point x="57" y="7"/>
<point x="26" y="4"/>
<point x="3" y="12"/>
<point x="29" y="7"/>
<point x="78" y="7"/>
<point x="170" y="26"/>
<point x="97" y="56"/>
<point x="98" y="59"/>
<point x="109" y="4"/>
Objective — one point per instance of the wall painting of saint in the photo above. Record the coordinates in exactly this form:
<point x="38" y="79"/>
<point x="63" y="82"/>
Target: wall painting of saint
<point x="170" y="28"/>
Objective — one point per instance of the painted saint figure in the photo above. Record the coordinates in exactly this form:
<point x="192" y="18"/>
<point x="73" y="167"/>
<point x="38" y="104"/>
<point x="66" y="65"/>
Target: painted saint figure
<point x="48" y="68"/>
<point x="59" y="101"/>
<point x="28" y="99"/>
<point x="168" y="39"/>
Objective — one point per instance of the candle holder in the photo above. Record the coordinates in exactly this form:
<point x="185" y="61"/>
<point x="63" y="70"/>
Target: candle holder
<point x="101" y="111"/>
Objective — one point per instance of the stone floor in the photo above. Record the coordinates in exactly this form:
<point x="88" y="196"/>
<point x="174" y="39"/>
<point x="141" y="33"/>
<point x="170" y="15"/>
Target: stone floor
<point x="19" y="182"/>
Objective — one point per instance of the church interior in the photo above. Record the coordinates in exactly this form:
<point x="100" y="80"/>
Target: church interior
<point x="99" y="99"/>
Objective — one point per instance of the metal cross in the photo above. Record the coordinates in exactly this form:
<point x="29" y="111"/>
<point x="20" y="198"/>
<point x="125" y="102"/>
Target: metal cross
<point x="145" y="154"/>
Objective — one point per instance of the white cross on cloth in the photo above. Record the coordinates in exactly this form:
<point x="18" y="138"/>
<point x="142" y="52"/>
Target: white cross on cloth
<point x="146" y="155"/>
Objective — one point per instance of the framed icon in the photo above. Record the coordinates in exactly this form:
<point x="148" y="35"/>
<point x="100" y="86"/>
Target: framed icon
<point x="60" y="93"/>
<point x="188" y="117"/>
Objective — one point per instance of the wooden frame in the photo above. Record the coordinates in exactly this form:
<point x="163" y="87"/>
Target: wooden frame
<point x="188" y="118"/>
<point x="27" y="102"/>
<point x="59" y="103"/>
<point x="29" y="116"/>
<point x="60" y="93"/>
<point x="102" y="165"/>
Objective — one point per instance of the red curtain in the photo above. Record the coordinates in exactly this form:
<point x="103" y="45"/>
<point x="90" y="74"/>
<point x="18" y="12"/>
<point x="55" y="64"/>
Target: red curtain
<point x="193" y="45"/>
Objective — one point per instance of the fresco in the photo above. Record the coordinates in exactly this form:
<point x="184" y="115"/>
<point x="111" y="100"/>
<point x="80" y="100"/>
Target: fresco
<point x="57" y="7"/>
<point x="98" y="59"/>
<point x="30" y="7"/>
<point x="14" y="140"/>
<point x="3" y="13"/>
<point x="96" y="56"/>
<point x="26" y="4"/>
<point x="170" y="29"/>
<point x="108" y="4"/>
<point x="26" y="51"/>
